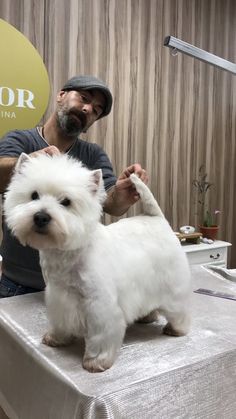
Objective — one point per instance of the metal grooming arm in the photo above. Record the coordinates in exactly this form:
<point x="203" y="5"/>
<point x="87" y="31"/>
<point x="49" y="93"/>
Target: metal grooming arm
<point x="177" y="45"/>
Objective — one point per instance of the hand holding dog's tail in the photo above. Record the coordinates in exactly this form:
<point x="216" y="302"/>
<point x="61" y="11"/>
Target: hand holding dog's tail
<point x="150" y="205"/>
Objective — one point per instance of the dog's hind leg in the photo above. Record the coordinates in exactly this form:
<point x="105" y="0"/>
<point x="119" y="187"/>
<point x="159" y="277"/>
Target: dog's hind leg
<point x="178" y="323"/>
<point x="149" y="318"/>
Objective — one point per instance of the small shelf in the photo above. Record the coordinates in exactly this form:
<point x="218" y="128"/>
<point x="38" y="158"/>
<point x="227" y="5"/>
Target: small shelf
<point x="204" y="253"/>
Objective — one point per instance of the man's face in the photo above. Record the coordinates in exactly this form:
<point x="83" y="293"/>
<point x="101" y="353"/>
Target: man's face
<point x="78" y="110"/>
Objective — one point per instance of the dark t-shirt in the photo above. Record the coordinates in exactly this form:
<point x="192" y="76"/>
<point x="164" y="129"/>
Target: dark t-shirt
<point x="21" y="264"/>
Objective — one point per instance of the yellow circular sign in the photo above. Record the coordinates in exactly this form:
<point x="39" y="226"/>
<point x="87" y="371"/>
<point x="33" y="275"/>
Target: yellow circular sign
<point x="24" y="82"/>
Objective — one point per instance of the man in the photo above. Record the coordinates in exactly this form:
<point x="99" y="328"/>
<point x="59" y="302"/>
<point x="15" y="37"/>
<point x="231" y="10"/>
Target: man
<point x="82" y="101"/>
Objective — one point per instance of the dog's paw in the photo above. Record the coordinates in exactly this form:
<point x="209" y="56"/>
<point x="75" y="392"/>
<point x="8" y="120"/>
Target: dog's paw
<point x="50" y="340"/>
<point x="96" y="364"/>
<point x="169" y="330"/>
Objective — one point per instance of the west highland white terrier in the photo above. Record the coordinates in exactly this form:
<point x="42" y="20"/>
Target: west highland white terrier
<point x="99" y="279"/>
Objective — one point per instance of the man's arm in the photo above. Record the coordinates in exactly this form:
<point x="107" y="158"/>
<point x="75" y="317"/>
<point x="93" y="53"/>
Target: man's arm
<point x="123" y="194"/>
<point x="112" y="205"/>
<point x="7" y="165"/>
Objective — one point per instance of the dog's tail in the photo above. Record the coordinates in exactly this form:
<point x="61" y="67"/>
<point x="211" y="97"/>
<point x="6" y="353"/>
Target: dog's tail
<point x="150" y="205"/>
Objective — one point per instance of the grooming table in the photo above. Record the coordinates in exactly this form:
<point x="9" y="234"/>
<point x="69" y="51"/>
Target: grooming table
<point x="154" y="376"/>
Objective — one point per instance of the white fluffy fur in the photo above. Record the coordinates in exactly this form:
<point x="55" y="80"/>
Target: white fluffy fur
<point x="99" y="279"/>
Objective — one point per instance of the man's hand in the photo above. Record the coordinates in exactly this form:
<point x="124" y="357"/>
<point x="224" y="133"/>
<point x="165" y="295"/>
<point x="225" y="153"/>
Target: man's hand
<point x="50" y="150"/>
<point x="125" y="190"/>
<point x="7" y="165"/>
<point x="124" y="194"/>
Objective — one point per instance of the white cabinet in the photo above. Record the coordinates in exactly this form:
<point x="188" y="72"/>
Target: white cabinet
<point x="202" y="254"/>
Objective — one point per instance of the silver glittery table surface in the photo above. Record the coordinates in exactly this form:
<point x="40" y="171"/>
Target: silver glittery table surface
<point x="155" y="376"/>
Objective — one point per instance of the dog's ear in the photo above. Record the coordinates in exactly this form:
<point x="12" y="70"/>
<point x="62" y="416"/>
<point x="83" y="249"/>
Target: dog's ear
<point x="22" y="159"/>
<point x="96" y="177"/>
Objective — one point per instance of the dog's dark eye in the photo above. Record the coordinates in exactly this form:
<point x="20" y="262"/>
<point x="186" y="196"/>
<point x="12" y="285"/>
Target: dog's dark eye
<point x="65" y="202"/>
<point x="35" y="195"/>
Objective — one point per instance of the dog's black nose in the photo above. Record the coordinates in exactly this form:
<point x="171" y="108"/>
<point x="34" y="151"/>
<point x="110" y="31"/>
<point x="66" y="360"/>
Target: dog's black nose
<point x="41" y="219"/>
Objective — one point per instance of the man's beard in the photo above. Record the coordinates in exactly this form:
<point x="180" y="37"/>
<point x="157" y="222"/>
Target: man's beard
<point x="71" y="121"/>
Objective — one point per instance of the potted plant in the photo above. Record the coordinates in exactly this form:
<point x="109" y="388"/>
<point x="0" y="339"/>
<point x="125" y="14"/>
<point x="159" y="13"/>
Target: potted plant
<point x="208" y="219"/>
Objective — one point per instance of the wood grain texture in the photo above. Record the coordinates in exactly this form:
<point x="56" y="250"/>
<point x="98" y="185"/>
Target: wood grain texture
<point x="171" y="114"/>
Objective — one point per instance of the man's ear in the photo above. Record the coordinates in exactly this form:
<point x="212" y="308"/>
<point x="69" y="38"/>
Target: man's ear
<point x="24" y="158"/>
<point x="60" y="95"/>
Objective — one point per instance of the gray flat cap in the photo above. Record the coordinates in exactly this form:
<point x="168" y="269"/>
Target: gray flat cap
<point x="90" y="83"/>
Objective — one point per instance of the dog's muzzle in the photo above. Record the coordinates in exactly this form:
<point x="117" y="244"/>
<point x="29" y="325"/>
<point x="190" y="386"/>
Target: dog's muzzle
<point x="42" y="219"/>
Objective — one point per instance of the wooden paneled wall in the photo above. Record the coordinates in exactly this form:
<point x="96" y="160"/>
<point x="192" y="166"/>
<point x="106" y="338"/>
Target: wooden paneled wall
<point x="171" y="114"/>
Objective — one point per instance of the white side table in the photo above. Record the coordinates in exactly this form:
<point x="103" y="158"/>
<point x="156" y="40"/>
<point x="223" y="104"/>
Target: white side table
<point x="205" y="254"/>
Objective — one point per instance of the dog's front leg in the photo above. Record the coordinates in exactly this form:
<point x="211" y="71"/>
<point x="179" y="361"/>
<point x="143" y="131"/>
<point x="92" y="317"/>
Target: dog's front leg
<point x="102" y="341"/>
<point x="101" y="351"/>
<point x="62" y="316"/>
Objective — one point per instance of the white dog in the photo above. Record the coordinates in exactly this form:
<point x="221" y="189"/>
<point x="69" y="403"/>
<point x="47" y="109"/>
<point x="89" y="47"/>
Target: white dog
<point x="99" y="279"/>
